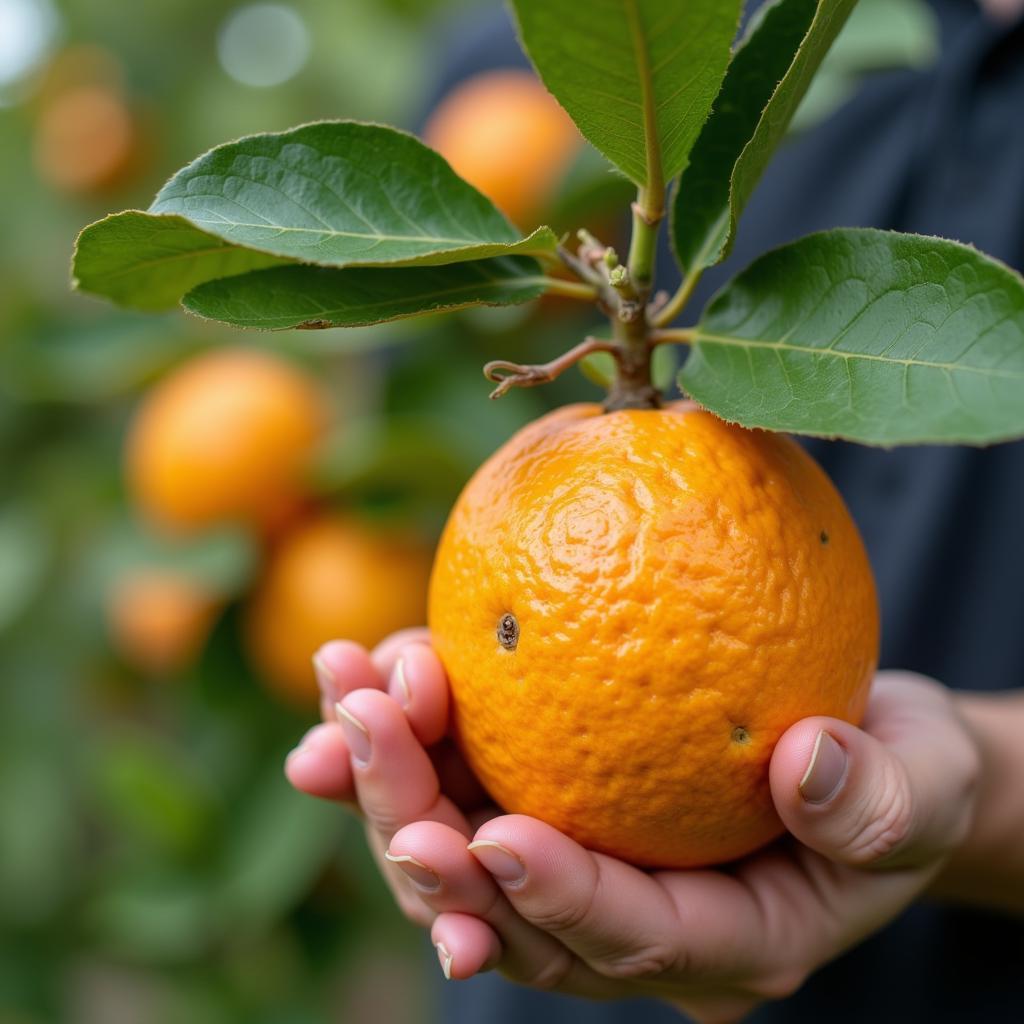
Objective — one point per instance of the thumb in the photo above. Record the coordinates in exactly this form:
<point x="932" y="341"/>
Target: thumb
<point x="896" y="793"/>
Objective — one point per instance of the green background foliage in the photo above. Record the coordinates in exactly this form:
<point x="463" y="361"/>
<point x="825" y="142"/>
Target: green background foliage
<point x="154" y="865"/>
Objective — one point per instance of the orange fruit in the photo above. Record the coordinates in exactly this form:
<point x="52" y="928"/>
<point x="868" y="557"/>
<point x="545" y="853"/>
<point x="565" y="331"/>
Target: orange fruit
<point x="505" y="134"/>
<point x="331" y="577"/>
<point x="632" y="607"/>
<point x="159" y="620"/>
<point x="86" y="140"/>
<point x="224" y="439"/>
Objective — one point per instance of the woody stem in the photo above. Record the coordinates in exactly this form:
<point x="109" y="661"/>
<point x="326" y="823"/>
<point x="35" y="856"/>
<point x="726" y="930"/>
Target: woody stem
<point x="633" y="388"/>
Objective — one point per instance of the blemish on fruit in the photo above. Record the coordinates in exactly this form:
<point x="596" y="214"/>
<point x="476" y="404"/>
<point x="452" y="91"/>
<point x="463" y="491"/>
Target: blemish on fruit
<point x="740" y="735"/>
<point x="508" y="631"/>
<point x="823" y="537"/>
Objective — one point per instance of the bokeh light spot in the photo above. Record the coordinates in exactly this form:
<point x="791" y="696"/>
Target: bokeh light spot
<point x="263" y="44"/>
<point x="28" y="30"/>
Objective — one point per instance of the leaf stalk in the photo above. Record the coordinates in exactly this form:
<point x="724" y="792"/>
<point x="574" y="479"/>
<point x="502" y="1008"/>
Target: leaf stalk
<point x="571" y="289"/>
<point x="677" y="303"/>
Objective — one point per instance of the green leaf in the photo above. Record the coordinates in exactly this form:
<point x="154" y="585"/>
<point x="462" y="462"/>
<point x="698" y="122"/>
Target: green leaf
<point x="343" y="194"/>
<point x="89" y="362"/>
<point x="150" y="791"/>
<point x="768" y="77"/>
<point x="150" y="915"/>
<point x="39" y="859"/>
<point x="335" y="194"/>
<point x="868" y="335"/>
<point x="279" y="842"/>
<point x="221" y="561"/>
<point x="886" y="34"/>
<point x="637" y="76"/>
<point x="149" y="262"/>
<point x="401" y="451"/>
<point x="25" y="554"/>
<point x="879" y="34"/>
<point x="304" y="296"/>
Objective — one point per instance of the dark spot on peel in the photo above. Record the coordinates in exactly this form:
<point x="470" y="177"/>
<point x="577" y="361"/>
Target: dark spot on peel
<point x="823" y="537"/>
<point x="508" y="631"/>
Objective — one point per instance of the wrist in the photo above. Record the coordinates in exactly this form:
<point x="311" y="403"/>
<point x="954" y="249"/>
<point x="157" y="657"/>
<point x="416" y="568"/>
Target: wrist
<point x="987" y="868"/>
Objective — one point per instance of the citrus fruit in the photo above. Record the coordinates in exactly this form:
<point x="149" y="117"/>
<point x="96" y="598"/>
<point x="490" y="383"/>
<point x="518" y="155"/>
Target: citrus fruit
<point x="632" y="607"/>
<point x="159" y="620"/>
<point x="505" y="134"/>
<point x="86" y="140"/>
<point x="224" y="439"/>
<point x="330" y="577"/>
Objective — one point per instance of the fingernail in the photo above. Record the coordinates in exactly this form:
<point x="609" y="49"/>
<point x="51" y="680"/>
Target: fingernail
<point x="324" y="676"/>
<point x="446" y="959"/>
<point x="499" y="861"/>
<point x="825" y="772"/>
<point x="305" y="746"/>
<point x="297" y="754"/>
<point x="398" y="687"/>
<point x="419" y="874"/>
<point x="357" y="736"/>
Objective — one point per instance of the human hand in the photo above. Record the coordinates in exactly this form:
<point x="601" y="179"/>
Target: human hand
<point x="871" y="824"/>
<point x="382" y="750"/>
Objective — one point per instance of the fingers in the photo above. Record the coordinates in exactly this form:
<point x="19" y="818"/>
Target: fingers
<point x="465" y="945"/>
<point x="896" y="793"/>
<point x="320" y="764"/>
<point x="419" y="685"/>
<point x="385" y="654"/>
<point x="451" y="881"/>
<point x="404" y="666"/>
<point x="615" y="917"/>
<point x="395" y="781"/>
<point x="342" y="666"/>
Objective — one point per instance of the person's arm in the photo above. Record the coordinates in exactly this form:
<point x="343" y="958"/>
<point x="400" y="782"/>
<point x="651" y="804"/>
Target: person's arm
<point x="989" y="867"/>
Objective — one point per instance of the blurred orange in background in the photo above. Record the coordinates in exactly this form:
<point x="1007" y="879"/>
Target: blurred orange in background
<point x="89" y="138"/>
<point x="505" y="134"/>
<point x="224" y="439"/>
<point x="86" y="140"/>
<point x="159" y="619"/>
<point x="332" y="576"/>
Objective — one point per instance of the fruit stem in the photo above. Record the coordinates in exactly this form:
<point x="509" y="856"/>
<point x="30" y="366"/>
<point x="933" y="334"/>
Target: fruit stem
<point x="622" y="293"/>
<point x="632" y="388"/>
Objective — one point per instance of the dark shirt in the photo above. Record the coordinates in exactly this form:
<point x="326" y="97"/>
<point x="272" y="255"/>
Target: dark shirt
<point x="939" y="152"/>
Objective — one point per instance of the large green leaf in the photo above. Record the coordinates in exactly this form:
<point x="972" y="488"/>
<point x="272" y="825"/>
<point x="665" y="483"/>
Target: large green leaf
<point x="304" y="296"/>
<point x="869" y="335"/>
<point x="148" y="262"/>
<point x="767" y="79"/>
<point x="637" y="76"/>
<point x="342" y="194"/>
<point x="334" y="194"/>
